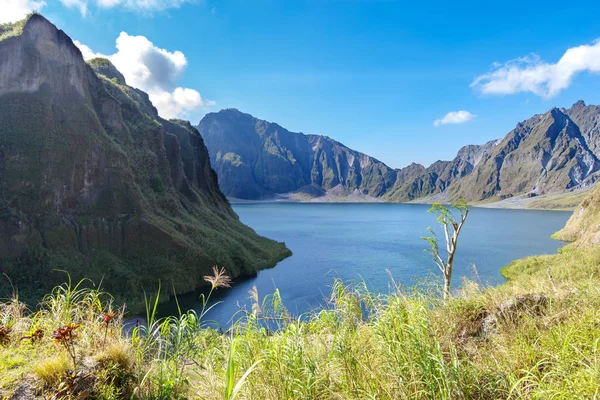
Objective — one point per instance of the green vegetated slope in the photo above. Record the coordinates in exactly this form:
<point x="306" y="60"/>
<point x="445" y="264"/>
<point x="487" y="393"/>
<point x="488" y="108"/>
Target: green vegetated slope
<point x="583" y="228"/>
<point x="580" y="259"/>
<point x="553" y="153"/>
<point x="94" y="182"/>
<point x="11" y="29"/>
<point x="534" y="337"/>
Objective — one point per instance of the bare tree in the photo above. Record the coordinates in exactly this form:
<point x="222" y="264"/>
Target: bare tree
<point x="452" y="226"/>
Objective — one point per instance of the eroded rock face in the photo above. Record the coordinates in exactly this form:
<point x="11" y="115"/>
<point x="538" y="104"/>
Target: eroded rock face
<point x="257" y="159"/>
<point x="545" y="154"/>
<point x="25" y="69"/>
<point x="548" y="153"/>
<point x="94" y="182"/>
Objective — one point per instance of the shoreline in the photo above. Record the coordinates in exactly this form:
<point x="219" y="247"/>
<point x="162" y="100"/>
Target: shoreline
<point x="516" y="203"/>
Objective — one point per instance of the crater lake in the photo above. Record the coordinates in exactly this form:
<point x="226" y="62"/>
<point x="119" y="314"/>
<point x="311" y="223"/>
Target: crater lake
<point x="371" y="242"/>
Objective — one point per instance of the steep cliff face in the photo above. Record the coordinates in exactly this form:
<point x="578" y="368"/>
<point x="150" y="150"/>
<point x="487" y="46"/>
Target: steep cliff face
<point x="417" y="182"/>
<point x="549" y="153"/>
<point x="334" y="164"/>
<point x="544" y="154"/>
<point x="256" y="159"/>
<point x="94" y="182"/>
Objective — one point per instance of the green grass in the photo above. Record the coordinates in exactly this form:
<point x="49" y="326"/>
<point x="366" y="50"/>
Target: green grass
<point x="404" y="345"/>
<point x="571" y="264"/>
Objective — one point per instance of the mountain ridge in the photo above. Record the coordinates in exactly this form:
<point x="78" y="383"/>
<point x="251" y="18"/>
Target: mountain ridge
<point x="547" y="154"/>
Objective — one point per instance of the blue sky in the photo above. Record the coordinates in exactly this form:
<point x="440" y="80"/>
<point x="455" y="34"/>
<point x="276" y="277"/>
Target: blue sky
<point x="374" y="75"/>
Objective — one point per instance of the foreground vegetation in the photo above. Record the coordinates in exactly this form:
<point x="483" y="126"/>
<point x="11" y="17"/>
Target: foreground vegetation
<point x="534" y="337"/>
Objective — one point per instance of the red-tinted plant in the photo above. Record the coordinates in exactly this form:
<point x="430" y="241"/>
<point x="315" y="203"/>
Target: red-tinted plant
<point x="65" y="336"/>
<point x="4" y="334"/>
<point x="106" y="318"/>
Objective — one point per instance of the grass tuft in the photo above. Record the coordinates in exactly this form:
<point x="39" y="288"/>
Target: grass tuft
<point x="51" y="370"/>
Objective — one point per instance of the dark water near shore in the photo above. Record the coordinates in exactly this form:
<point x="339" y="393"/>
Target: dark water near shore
<point x="362" y="241"/>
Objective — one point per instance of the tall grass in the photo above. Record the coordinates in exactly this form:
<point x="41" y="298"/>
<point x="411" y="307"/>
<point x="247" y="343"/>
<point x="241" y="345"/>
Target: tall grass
<point x="404" y="345"/>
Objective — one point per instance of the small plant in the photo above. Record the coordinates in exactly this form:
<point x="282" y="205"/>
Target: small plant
<point x="170" y="343"/>
<point x="219" y="278"/>
<point x="106" y="318"/>
<point x="65" y="336"/>
<point x="68" y="384"/>
<point x="157" y="184"/>
<point x="35" y="335"/>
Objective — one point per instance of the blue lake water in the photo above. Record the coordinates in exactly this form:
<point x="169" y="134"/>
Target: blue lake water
<point x="363" y="241"/>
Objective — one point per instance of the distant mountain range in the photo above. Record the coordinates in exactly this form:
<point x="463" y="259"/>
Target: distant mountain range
<point x="550" y="154"/>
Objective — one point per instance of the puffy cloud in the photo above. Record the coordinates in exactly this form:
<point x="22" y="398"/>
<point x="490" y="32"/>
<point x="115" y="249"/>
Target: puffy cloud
<point x="15" y="10"/>
<point x="87" y="53"/>
<point x="531" y="74"/>
<point x="146" y="66"/>
<point x="133" y="5"/>
<point x="155" y="71"/>
<point x="454" y="117"/>
<point x="182" y="101"/>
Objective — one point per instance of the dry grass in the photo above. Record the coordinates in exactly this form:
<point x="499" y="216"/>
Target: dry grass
<point x="50" y="370"/>
<point x="406" y="345"/>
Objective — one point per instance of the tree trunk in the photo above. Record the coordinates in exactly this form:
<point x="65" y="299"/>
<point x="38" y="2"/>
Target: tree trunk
<point x="447" y="278"/>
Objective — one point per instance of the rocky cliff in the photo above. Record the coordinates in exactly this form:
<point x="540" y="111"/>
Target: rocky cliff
<point x="94" y="182"/>
<point x="550" y="153"/>
<point x="257" y="159"/>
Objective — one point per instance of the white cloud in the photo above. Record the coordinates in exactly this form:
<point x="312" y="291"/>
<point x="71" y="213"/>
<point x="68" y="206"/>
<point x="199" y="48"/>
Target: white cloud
<point x="16" y="10"/>
<point x="155" y="71"/>
<point x="146" y="66"/>
<point x="180" y="102"/>
<point x="531" y="74"/>
<point x="133" y="5"/>
<point x="454" y="117"/>
<point x="80" y="4"/>
<point x="87" y="53"/>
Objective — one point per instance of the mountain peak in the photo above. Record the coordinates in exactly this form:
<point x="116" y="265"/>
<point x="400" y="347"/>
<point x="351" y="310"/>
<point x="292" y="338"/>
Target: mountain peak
<point x="48" y="58"/>
<point x="557" y="113"/>
<point x="16" y="28"/>
<point x="231" y="113"/>
<point x="231" y="110"/>
<point x="578" y="104"/>
<point x="37" y="25"/>
<point x="36" y="17"/>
